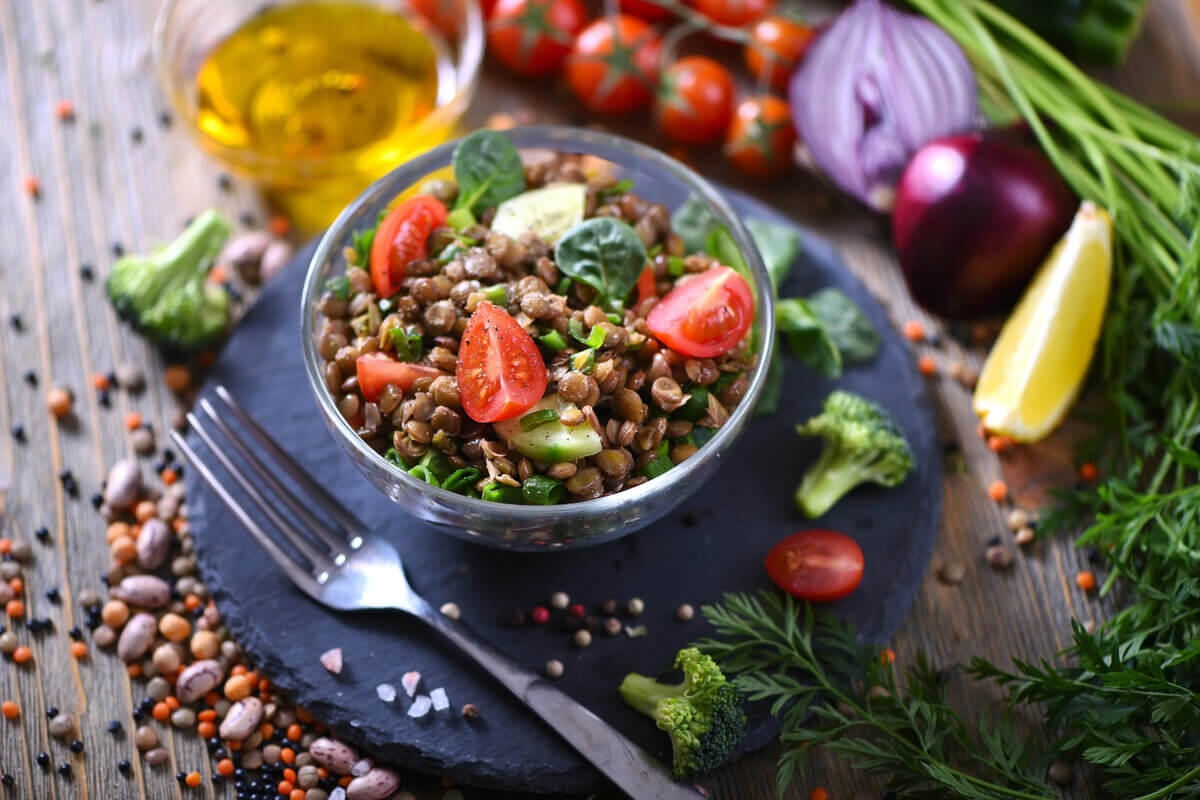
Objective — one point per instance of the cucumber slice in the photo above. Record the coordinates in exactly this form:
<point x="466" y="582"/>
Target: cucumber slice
<point x="549" y="212"/>
<point x="550" y="442"/>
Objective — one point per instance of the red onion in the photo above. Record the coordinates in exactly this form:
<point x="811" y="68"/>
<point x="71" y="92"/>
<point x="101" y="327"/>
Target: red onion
<point x="975" y="215"/>
<point x="873" y="88"/>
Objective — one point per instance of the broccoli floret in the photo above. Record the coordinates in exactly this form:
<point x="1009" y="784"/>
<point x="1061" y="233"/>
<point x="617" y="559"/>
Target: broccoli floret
<point x="703" y="715"/>
<point x="862" y="443"/>
<point x="165" y="294"/>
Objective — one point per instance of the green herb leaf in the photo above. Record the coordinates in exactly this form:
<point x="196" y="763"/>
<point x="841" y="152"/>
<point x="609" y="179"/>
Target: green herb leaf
<point x="807" y="337"/>
<point x="340" y="286"/>
<point x="361" y="242"/>
<point x="778" y="245"/>
<point x="488" y="169"/>
<point x="721" y="246"/>
<point x="604" y="253"/>
<point x="542" y="490"/>
<point x="693" y="221"/>
<point x="619" y="188"/>
<point x="407" y="344"/>
<point x="851" y="331"/>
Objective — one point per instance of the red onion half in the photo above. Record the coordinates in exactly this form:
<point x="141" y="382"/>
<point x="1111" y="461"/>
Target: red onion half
<point x="872" y="89"/>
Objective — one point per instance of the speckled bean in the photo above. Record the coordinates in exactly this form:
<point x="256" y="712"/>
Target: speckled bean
<point x="242" y="719"/>
<point x="251" y="759"/>
<point x="147" y="591"/>
<point x="375" y="785"/>
<point x="153" y="543"/>
<point x="136" y="637"/>
<point x="156" y="757"/>
<point x="124" y="484"/>
<point x="335" y="756"/>
<point x="198" y="680"/>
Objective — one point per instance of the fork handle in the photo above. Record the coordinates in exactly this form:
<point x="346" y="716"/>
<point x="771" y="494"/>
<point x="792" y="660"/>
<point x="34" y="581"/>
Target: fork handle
<point x="630" y="767"/>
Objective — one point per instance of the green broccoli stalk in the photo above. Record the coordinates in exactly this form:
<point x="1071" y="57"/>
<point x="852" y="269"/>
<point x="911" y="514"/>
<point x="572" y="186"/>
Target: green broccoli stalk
<point x="703" y="715"/>
<point x="166" y="295"/>
<point x="862" y="444"/>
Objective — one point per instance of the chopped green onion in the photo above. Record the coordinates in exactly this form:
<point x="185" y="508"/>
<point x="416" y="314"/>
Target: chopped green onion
<point x="541" y="490"/>
<point x="460" y="219"/>
<point x="584" y="360"/>
<point x="696" y="405"/>
<point x="360" y="242"/>
<point x="462" y="480"/>
<point x="340" y="286"/>
<point x="723" y="381"/>
<point x="620" y="187"/>
<point x="500" y="493"/>
<point x="437" y="464"/>
<point x="653" y="251"/>
<point x="596" y="337"/>
<point x="702" y="435"/>
<point x="676" y="266"/>
<point x="407" y="343"/>
<point x="423" y="472"/>
<point x="563" y="286"/>
<point x="392" y="457"/>
<point x="450" y="252"/>
<point x="497" y="294"/>
<point x="553" y="341"/>
<point x="657" y="467"/>
<point x="537" y="418"/>
<point x="467" y="241"/>
<point x="615" y="319"/>
<point x="575" y="328"/>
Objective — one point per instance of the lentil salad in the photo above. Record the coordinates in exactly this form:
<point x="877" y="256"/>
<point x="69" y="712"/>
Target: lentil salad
<point x="558" y="344"/>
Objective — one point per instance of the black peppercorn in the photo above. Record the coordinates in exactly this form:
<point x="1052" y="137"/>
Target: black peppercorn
<point x="64" y="769"/>
<point x="76" y="746"/>
<point x="8" y="781"/>
<point x="53" y="596"/>
<point x="42" y="533"/>
<point x="75" y="633"/>
<point x="31" y="378"/>
<point x="86" y="272"/>
<point x="118" y="249"/>
<point x="114" y="726"/>
<point x="18" y="433"/>
<point x="43" y="759"/>
<point x="123" y="766"/>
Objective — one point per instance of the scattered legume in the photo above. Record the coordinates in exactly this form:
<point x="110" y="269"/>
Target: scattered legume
<point x="59" y="401"/>
<point x="451" y="610"/>
<point x="685" y="612"/>
<point x="582" y="638"/>
<point x="554" y="668"/>
<point x="635" y="606"/>
<point x="999" y="556"/>
<point x="559" y="600"/>
<point x="470" y="711"/>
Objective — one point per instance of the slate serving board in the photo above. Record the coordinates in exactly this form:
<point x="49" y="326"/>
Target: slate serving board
<point x="715" y="542"/>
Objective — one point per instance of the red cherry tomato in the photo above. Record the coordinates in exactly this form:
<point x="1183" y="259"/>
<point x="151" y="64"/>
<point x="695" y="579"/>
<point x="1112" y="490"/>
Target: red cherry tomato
<point x="732" y="12"/>
<point x="376" y="370"/>
<point x="816" y="565"/>
<point x="400" y="240"/>
<point x="445" y="15"/>
<point x="533" y="37"/>
<point x="649" y="11"/>
<point x="614" y="65"/>
<point x="761" y="137"/>
<point x="785" y="41"/>
<point x="500" y="369"/>
<point x="695" y="100"/>
<point x="706" y="315"/>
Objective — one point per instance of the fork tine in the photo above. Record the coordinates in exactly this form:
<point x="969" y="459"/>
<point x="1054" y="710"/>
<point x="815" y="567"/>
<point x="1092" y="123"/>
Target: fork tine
<point x="319" y="560"/>
<point x="317" y="525"/>
<point x="293" y="570"/>
<point x="319" y="493"/>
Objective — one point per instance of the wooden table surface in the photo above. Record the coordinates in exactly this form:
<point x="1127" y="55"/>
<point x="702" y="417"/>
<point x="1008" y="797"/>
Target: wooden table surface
<point x="102" y="183"/>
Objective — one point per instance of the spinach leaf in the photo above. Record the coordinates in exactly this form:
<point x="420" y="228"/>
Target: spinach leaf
<point x="778" y="245"/>
<point x="604" y="253"/>
<point x="807" y="337"/>
<point x="721" y="246"/>
<point x="768" y="400"/>
<point x="693" y="221"/>
<point x="488" y="170"/>
<point x="848" y="327"/>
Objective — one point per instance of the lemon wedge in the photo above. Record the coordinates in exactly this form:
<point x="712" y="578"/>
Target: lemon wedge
<point x="1039" y="362"/>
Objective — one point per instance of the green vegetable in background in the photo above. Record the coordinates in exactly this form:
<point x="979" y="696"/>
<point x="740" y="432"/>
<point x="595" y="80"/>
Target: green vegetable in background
<point x="723" y="248"/>
<point x="1096" y="31"/>
<point x="693" y="221"/>
<point x="849" y="328"/>
<point x="166" y="294"/>
<point x="604" y="253"/>
<point x="808" y="337"/>
<point x="488" y="169"/>
<point x="778" y="245"/>
<point x="703" y="715"/>
<point x="862" y="444"/>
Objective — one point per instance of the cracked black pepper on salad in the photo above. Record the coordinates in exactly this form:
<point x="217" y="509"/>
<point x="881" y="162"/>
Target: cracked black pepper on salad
<point x="534" y="333"/>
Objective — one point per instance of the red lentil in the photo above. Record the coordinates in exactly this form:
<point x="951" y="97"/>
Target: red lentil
<point x="133" y="420"/>
<point x="818" y="794"/>
<point x="914" y="330"/>
<point x="999" y="444"/>
<point x="161" y="711"/>
<point x="10" y="709"/>
<point x="998" y="491"/>
<point x="1085" y="581"/>
<point x="193" y="779"/>
<point x="17" y="585"/>
<point x="927" y="366"/>
<point x="887" y="656"/>
<point x="177" y="377"/>
<point x="134" y="670"/>
<point x="33" y="187"/>
<point x="100" y="381"/>
<point x="279" y="225"/>
<point x="207" y="729"/>
<point x="22" y="654"/>
<point x="225" y="767"/>
<point x="287" y="754"/>
<point x="79" y="650"/>
<point x="15" y="608"/>
<point x="1088" y="471"/>
<point x="285" y="788"/>
<point x="297" y="794"/>
<point x="5" y="546"/>
<point x="169" y="476"/>
<point x="64" y="110"/>
<point x="289" y="775"/>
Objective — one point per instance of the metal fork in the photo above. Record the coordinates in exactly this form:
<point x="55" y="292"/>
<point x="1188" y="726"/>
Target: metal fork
<point x="345" y="568"/>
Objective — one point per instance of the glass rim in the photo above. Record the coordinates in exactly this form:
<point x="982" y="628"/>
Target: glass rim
<point x="466" y="70"/>
<point x="566" y="139"/>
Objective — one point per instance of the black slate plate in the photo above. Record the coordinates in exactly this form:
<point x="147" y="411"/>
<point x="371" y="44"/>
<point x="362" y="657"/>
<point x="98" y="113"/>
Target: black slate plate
<point x="714" y="543"/>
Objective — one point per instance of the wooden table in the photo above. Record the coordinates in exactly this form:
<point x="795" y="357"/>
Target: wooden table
<point x="117" y="176"/>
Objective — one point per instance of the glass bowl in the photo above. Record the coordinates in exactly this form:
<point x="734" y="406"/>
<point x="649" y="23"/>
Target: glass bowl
<point x="658" y="178"/>
<point x="312" y="190"/>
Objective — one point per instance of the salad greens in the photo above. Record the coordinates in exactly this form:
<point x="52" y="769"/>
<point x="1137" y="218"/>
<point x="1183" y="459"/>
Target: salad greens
<point x="606" y="254"/>
<point x="488" y="170"/>
<point x="807" y="336"/>
<point x="847" y="326"/>
<point x="778" y="245"/>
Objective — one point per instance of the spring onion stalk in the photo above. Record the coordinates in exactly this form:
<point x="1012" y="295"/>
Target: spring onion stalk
<point x="462" y="480"/>
<point x="496" y="295"/>
<point x="553" y="341"/>
<point x="501" y="493"/>
<point x="538" y="418"/>
<point x="407" y="344"/>
<point x="541" y="490"/>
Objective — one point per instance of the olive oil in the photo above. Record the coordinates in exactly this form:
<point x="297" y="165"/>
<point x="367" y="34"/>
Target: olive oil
<point x="321" y="98"/>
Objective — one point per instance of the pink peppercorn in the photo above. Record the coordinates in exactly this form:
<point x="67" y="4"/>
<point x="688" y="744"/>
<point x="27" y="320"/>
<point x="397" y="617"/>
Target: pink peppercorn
<point x="577" y="611"/>
<point x="540" y="615"/>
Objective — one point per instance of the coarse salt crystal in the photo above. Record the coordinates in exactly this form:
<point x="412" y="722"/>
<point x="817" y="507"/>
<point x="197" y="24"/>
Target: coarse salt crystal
<point x="439" y="699"/>
<point x="410" y="681"/>
<point x="332" y="660"/>
<point x="386" y="692"/>
<point x="338" y="793"/>
<point x="420" y="707"/>
<point x="362" y="767"/>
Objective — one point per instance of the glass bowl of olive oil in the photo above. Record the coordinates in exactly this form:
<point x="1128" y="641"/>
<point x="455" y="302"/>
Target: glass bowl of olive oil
<point x="315" y="99"/>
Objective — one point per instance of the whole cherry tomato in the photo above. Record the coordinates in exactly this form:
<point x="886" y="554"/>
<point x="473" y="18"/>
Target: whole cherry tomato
<point x="816" y="565"/>
<point x="533" y="37"/>
<point x="646" y="9"/>
<point x="400" y="240"/>
<point x="778" y="44"/>
<point x="695" y="101"/>
<point x="761" y="138"/>
<point x="614" y="64"/>
<point x="706" y="315"/>
<point x="500" y="369"/>
<point x="732" y="12"/>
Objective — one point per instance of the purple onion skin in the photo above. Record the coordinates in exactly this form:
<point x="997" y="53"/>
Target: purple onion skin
<point x="974" y="217"/>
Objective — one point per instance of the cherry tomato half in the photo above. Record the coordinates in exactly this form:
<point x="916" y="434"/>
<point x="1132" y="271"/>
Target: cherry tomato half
<point x="816" y="565"/>
<point x="376" y="370"/>
<point x="614" y="64"/>
<point x="761" y="137"/>
<point x="400" y="240"/>
<point x="777" y="46"/>
<point x="500" y="369"/>
<point x="706" y="315"/>
<point x="647" y="286"/>
<point x="645" y="9"/>
<point x="533" y="37"/>
<point x="695" y="101"/>
<point x="732" y="12"/>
